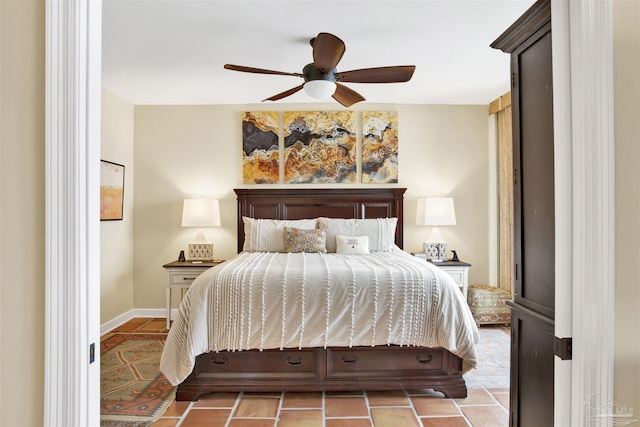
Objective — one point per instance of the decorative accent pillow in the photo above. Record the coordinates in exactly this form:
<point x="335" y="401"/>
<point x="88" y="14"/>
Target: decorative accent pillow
<point x="352" y="245"/>
<point x="381" y="231"/>
<point x="309" y="241"/>
<point x="267" y="235"/>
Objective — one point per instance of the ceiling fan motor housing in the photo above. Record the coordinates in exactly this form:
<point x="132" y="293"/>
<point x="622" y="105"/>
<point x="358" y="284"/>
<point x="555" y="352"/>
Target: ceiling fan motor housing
<point x="311" y="73"/>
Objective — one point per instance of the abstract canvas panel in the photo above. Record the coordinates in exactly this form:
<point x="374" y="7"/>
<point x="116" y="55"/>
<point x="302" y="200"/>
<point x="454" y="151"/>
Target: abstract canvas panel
<point x="319" y="147"/>
<point x="111" y="191"/>
<point x="379" y="147"/>
<point x="260" y="153"/>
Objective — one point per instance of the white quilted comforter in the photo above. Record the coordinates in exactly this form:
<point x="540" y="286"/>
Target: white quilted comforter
<point x="263" y="300"/>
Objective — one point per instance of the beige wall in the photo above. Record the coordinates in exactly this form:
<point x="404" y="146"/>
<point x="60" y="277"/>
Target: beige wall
<point x="626" y="18"/>
<point x="186" y="151"/>
<point x="22" y="203"/>
<point x="116" y="237"/>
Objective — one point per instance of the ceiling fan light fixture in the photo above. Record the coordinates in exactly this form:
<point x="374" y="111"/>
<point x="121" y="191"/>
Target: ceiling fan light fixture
<point x="320" y="88"/>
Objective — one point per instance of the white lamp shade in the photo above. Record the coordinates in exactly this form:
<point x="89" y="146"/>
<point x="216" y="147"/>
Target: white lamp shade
<point x="436" y="211"/>
<point x="200" y="213"/>
<point x="320" y="88"/>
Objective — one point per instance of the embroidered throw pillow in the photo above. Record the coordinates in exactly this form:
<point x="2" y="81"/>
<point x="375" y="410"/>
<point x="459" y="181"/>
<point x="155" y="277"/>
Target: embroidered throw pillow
<point x="309" y="241"/>
<point x="352" y="245"/>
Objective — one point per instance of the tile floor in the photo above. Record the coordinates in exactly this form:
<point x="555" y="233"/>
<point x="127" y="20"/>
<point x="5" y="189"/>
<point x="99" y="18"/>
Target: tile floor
<point x="483" y="407"/>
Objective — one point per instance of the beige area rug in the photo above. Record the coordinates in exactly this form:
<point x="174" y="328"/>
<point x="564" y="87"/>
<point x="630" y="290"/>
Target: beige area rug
<point x="493" y="359"/>
<point x="133" y="392"/>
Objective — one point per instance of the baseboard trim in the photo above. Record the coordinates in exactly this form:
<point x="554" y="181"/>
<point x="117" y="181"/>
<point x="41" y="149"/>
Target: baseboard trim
<point x="123" y="318"/>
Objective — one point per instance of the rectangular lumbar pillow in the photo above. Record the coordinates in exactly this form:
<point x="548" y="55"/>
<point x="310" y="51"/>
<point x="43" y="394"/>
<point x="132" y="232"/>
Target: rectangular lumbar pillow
<point x="352" y="245"/>
<point x="309" y="241"/>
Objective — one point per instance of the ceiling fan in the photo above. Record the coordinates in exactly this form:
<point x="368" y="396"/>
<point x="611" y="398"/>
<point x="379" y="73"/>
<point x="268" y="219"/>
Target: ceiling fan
<point x="321" y="79"/>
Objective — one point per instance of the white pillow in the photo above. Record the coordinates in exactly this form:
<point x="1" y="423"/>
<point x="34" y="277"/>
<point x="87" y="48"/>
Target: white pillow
<point x="352" y="245"/>
<point x="267" y="235"/>
<point x="381" y="231"/>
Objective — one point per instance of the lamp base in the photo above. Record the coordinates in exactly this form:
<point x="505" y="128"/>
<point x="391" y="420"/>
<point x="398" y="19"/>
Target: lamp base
<point x="435" y="251"/>
<point x="201" y="251"/>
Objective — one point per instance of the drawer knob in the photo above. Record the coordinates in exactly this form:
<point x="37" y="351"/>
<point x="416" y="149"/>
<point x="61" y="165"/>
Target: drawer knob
<point x="425" y="359"/>
<point x="350" y="361"/>
<point x="188" y="278"/>
<point x="215" y="362"/>
<point x="290" y="361"/>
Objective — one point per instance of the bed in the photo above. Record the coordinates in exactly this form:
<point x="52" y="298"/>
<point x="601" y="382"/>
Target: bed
<point x="317" y="322"/>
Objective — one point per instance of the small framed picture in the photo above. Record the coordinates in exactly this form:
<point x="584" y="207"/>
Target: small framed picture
<point x="111" y="191"/>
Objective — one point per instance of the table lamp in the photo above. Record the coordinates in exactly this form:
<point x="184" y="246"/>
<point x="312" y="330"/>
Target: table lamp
<point x="436" y="211"/>
<point x="200" y="213"/>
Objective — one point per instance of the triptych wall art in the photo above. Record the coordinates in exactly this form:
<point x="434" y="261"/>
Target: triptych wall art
<point x="319" y="147"/>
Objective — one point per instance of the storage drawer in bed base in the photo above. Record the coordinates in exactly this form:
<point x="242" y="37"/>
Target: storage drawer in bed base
<point x="331" y="369"/>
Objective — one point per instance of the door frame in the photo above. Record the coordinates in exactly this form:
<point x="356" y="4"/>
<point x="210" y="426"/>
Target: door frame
<point x="584" y="185"/>
<point x="72" y="211"/>
<point x="584" y="170"/>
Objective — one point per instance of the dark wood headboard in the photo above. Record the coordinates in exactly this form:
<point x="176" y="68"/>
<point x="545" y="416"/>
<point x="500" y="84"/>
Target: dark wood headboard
<point x="298" y="203"/>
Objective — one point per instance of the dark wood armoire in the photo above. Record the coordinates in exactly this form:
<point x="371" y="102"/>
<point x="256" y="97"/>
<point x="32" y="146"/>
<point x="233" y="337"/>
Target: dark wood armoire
<point x="528" y="41"/>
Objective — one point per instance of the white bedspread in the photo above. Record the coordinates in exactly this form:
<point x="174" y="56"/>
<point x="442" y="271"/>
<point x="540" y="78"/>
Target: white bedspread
<point x="262" y="300"/>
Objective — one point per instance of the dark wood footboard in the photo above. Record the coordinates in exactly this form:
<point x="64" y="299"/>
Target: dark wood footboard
<point x="330" y="369"/>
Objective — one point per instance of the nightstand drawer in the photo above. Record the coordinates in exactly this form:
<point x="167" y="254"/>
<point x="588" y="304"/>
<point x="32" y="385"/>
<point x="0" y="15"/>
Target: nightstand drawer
<point x="183" y="278"/>
<point x="456" y="273"/>
<point x="180" y="275"/>
<point x="458" y="270"/>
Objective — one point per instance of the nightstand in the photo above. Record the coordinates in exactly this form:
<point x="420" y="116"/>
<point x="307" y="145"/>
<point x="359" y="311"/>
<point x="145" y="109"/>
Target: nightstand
<point x="180" y="274"/>
<point x="457" y="269"/>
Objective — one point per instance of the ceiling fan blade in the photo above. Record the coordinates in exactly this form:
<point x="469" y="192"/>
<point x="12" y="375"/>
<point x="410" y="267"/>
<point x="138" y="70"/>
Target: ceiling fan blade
<point x="259" y="70"/>
<point x="397" y="74"/>
<point x="284" y="94"/>
<point x="346" y="96"/>
<point x="327" y="52"/>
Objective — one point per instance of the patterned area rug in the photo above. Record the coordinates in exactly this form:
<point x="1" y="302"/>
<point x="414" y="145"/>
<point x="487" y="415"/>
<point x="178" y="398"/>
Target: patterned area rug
<point x="133" y="392"/>
<point x="493" y="359"/>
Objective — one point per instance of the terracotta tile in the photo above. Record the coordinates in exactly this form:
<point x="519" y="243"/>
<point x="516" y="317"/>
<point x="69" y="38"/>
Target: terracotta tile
<point x="433" y="406"/>
<point x="166" y="422"/>
<point x="138" y="321"/>
<point x="394" y="417"/>
<point x="444" y="422"/>
<point x="348" y="422"/>
<point x="252" y="423"/>
<point x="107" y="335"/>
<point x="153" y="326"/>
<point x="388" y="398"/>
<point x="131" y="325"/>
<point x="301" y="418"/>
<point x="345" y="407"/>
<point x="486" y="416"/>
<point x="503" y="399"/>
<point x="262" y="393"/>
<point x="126" y="328"/>
<point x="425" y="392"/>
<point x="176" y="409"/>
<point x="302" y="400"/>
<point x="261" y="407"/>
<point x="345" y="393"/>
<point x="477" y="397"/>
<point x="217" y="400"/>
<point x="206" y="417"/>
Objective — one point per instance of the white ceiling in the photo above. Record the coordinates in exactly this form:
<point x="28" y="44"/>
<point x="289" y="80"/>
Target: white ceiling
<point x="173" y="51"/>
